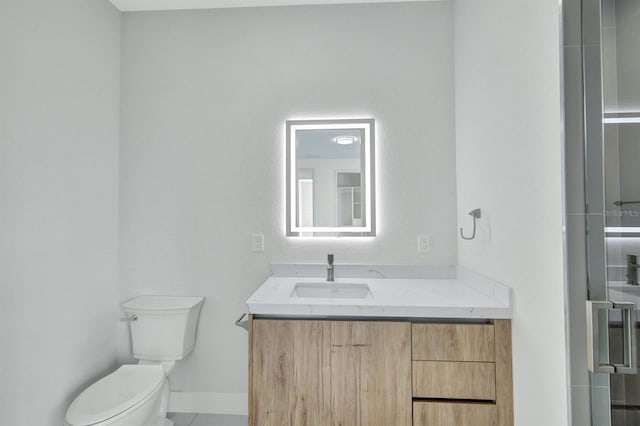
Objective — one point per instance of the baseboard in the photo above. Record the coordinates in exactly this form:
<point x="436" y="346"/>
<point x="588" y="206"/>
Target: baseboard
<point x="209" y="403"/>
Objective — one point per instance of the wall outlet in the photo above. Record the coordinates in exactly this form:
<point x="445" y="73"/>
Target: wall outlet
<point x="257" y="243"/>
<point x="424" y="244"/>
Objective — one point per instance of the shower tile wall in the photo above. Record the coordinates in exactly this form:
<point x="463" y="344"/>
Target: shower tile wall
<point x="625" y="395"/>
<point x="621" y="92"/>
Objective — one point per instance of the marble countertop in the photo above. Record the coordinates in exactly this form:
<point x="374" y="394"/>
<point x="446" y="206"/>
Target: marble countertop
<point x="465" y="296"/>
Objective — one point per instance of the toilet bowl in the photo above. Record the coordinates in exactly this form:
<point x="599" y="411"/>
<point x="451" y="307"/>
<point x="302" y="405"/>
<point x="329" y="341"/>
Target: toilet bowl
<point x="163" y="330"/>
<point x="133" y="395"/>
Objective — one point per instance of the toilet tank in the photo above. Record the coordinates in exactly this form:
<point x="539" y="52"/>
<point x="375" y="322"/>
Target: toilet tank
<point x="163" y="328"/>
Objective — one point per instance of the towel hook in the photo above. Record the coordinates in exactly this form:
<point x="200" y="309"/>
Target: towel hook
<point x="476" y="214"/>
<point x="243" y="323"/>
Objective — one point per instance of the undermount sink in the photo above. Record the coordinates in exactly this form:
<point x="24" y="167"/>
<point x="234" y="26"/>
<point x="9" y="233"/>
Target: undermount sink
<point x="332" y="291"/>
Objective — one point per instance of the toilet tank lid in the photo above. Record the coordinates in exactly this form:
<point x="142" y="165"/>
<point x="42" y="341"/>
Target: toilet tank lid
<point x="115" y="393"/>
<point x="162" y="303"/>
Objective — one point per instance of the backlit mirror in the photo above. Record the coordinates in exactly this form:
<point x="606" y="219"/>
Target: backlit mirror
<point x="330" y="178"/>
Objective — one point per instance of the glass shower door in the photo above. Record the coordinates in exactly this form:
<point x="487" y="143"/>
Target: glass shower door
<point x="611" y="43"/>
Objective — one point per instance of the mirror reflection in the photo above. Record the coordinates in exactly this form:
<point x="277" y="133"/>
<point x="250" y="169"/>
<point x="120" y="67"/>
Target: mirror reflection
<point x="330" y="177"/>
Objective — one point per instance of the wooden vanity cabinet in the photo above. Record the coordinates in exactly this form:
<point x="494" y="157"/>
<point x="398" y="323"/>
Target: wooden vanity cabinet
<point x="315" y="373"/>
<point x="370" y="373"/>
<point x="461" y="374"/>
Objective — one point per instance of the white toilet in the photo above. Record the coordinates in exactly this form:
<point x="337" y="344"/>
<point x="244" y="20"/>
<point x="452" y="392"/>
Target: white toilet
<point x="163" y="331"/>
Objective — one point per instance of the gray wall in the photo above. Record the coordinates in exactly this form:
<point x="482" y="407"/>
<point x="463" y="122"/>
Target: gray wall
<point x="627" y="31"/>
<point x="205" y="95"/>
<point x="621" y="74"/>
<point x="59" y="100"/>
<point x="627" y="40"/>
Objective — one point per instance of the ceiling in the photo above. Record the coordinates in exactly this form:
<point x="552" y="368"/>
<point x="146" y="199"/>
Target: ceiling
<point x="133" y="5"/>
<point x="317" y="143"/>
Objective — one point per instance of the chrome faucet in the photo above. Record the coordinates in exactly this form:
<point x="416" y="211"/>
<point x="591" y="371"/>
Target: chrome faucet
<point x="632" y="269"/>
<point x="330" y="277"/>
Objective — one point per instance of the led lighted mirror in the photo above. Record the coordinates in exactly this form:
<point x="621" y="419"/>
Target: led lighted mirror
<point x="330" y="178"/>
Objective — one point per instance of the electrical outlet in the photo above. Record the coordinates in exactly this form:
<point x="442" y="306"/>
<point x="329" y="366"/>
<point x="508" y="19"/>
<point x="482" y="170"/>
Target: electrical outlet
<point x="257" y="243"/>
<point x="424" y="244"/>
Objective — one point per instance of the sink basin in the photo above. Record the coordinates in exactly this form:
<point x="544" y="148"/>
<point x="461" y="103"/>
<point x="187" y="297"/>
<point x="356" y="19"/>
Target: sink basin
<point x="332" y="291"/>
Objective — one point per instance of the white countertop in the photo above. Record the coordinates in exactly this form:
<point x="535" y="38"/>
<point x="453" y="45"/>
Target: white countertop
<point x="467" y="296"/>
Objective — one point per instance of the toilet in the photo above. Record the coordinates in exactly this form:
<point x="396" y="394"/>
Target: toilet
<point x="163" y="331"/>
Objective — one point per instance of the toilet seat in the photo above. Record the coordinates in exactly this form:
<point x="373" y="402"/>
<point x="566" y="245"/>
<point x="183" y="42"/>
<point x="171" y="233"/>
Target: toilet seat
<point x="121" y="390"/>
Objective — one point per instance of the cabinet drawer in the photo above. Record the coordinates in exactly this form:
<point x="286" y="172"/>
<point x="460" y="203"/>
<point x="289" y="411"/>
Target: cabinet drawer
<point x="454" y="380"/>
<point x="454" y="414"/>
<point x="453" y="342"/>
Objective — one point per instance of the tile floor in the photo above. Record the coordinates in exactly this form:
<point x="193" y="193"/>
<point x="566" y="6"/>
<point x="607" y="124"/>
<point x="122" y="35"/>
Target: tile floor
<point x="183" y="419"/>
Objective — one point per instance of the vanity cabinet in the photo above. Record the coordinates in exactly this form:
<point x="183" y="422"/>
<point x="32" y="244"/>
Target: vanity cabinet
<point x="315" y="373"/>
<point x="461" y="374"/>
<point x="368" y="373"/>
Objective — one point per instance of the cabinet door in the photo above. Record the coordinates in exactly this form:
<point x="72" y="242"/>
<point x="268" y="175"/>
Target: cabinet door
<point x="454" y="414"/>
<point x="453" y="342"/>
<point x="454" y="380"/>
<point x="290" y="373"/>
<point x="370" y="373"/>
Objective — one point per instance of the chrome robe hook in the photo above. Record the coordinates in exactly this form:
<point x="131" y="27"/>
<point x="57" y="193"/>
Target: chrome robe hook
<point x="476" y="214"/>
